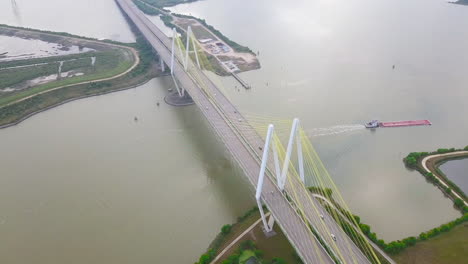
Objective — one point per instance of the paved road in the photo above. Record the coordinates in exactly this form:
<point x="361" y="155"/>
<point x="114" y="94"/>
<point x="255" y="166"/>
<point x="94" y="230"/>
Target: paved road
<point x="243" y="142"/>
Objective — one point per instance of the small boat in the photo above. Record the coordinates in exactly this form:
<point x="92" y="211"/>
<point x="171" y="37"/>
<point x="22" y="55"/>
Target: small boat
<point x="372" y="124"/>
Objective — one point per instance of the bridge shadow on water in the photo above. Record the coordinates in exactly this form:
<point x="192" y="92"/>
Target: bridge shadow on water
<point x="223" y="176"/>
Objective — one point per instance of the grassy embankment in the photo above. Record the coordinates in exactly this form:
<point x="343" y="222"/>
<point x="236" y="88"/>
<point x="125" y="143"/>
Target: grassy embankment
<point x="111" y="60"/>
<point x="108" y="64"/>
<point x="450" y="247"/>
<point x="269" y="250"/>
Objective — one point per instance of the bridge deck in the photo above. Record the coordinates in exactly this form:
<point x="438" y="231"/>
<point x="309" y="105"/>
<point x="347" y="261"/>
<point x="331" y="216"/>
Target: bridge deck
<point x="242" y="144"/>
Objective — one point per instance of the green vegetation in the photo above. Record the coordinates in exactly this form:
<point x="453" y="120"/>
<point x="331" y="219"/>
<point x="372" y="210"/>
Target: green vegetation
<point x="327" y="192"/>
<point x="15" y="63"/>
<point x="108" y="64"/>
<point x="10" y="77"/>
<point x="80" y="64"/>
<point x="246" y="255"/>
<point x="249" y="250"/>
<point x="226" y="230"/>
<point x="265" y="250"/>
<point x="448" y="247"/>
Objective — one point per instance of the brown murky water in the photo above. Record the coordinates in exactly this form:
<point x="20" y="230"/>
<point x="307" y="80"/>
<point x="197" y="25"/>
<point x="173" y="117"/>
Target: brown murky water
<point x="84" y="182"/>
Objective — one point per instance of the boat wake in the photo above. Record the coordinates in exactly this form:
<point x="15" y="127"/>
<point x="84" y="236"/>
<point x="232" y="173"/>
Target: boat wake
<point x="334" y="130"/>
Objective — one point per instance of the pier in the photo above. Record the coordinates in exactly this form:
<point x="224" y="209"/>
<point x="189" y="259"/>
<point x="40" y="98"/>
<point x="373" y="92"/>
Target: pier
<point x="246" y="85"/>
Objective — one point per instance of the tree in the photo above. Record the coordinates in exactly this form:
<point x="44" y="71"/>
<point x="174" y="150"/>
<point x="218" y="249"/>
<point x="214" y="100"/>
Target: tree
<point x="459" y="203"/>
<point x="415" y="155"/>
<point x="410" y="161"/>
<point x="443" y="150"/>
<point x="410" y="241"/>
<point x="448" y="190"/>
<point x="278" y="261"/>
<point x="248" y="244"/>
<point x="258" y="253"/>
<point x="466" y="148"/>
<point x="381" y="243"/>
<point x="204" y="259"/>
<point x="357" y="219"/>
<point x="423" y="236"/>
<point x="226" y="229"/>
<point x="365" y="228"/>
<point x="233" y="259"/>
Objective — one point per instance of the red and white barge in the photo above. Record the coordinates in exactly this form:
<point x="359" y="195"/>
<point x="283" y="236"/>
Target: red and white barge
<point x="376" y="123"/>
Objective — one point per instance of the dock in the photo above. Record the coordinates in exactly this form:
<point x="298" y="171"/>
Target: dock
<point x="242" y="82"/>
<point x="406" y="123"/>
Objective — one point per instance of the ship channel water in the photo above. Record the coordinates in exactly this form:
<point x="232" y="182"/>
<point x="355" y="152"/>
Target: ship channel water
<point x="84" y="182"/>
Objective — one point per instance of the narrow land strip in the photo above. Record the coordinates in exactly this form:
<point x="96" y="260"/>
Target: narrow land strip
<point x="228" y="247"/>
<point x="136" y="60"/>
<point x="430" y="168"/>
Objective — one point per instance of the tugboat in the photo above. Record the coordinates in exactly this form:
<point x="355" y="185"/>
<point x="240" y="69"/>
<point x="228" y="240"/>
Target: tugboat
<point x="372" y="124"/>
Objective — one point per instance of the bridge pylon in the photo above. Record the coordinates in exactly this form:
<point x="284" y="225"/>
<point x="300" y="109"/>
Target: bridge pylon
<point x="267" y="224"/>
<point x="190" y="36"/>
<point x="293" y="136"/>
<point x="180" y="90"/>
<point x="280" y="173"/>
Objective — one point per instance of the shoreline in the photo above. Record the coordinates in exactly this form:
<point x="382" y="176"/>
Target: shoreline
<point x="141" y="71"/>
<point x="431" y="164"/>
<point x="134" y="65"/>
<point x="15" y="123"/>
<point x="427" y="163"/>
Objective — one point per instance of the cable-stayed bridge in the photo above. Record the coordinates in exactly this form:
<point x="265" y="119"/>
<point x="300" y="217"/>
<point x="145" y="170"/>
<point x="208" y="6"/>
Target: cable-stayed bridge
<point x="279" y="175"/>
